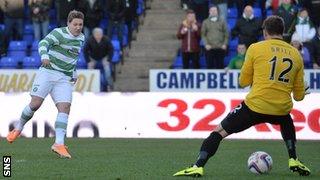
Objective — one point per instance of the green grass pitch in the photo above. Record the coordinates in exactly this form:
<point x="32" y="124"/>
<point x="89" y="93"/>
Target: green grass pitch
<point x="150" y="159"/>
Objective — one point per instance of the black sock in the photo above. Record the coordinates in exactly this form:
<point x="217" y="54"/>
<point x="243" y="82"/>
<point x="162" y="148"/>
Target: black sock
<point x="291" y="148"/>
<point x="208" y="148"/>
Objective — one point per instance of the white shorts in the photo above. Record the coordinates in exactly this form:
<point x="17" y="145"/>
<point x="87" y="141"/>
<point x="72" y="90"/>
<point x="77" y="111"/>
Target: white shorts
<point x="56" y="83"/>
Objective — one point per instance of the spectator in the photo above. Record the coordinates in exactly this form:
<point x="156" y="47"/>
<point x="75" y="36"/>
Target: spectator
<point x="304" y="29"/>
<point x="116" y="10"/>
<point x="295" y="42"/>
<point x="313" y="7"/>
<point x="248" y="27"/>
<point x="93" y="14"/>
<point x="131" y="15"/>
<point x="223" y="8"/>
<point x="214" y="33"/>
<point x="242" y="3"/>
<point x="288" y="12"/>
<point x="237" y="61"/>
<point x="13" y="20"/>
<point x="63" y="9"/>
<point x="190" y="35"/>
<point x="98" y="49"/>
<point x="200" y="7"/>
<point x="39" y="10"/>
<point x="315" y="51"/>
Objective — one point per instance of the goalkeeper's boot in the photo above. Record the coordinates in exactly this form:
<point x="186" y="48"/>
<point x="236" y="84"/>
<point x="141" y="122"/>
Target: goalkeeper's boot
<point x="13" y="135"/>
<point x="296" y="166"/>
<point x="61" y="150"/>
<point x="191" y="171"/>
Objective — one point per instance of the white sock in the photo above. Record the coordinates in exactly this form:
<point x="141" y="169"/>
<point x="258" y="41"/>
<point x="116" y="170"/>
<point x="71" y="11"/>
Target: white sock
<point x="26" y="115"/>
<point x="61" y="127"/>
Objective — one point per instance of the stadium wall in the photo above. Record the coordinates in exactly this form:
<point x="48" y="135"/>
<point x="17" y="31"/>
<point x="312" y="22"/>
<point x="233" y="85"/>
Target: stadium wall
<point x="151" y="115"/>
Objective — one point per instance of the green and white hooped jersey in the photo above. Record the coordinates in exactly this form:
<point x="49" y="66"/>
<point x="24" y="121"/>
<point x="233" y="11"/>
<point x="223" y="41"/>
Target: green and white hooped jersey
<point x="62" y="49"/>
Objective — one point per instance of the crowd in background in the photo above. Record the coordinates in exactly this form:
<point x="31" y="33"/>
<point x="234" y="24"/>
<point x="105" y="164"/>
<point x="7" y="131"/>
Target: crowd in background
<point x="213" y="33"/>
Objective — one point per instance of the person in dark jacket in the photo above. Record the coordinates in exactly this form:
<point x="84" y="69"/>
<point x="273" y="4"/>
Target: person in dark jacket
<point x="63" y="9"/>
<point x="289" y="13"/>
<point x="131" y="15"/>
<point x="93" y="14"/>
<point x="248" y="28"/>
<point x="98" y="49"/>
<point x="39" y="10"/>
<point x="190" y="35"/>
<point x="116" y="10"/>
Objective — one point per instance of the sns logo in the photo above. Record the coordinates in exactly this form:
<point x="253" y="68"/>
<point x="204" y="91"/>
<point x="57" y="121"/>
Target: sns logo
<point x="6" y="166"/>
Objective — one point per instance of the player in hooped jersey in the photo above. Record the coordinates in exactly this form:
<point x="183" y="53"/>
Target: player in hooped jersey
<point x="274" y="70"/>
<point x="59" y="52"/>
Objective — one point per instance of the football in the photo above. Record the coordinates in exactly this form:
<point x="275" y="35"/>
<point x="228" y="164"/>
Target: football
<point x="260" y="162"/>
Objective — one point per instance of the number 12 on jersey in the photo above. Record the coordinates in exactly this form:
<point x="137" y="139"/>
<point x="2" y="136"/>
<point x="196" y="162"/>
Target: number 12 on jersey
<point x="283" y="73"/>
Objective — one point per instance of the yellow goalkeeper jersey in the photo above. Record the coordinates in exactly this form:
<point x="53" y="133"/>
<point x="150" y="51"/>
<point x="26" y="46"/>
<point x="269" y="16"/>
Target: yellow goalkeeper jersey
<point x="274" y="69"/>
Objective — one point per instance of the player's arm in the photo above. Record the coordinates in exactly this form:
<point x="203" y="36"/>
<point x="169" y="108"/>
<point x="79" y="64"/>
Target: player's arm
<point x="44" y="45"/>
<point x="298" y="84"/>
<point x="246" y="74"/>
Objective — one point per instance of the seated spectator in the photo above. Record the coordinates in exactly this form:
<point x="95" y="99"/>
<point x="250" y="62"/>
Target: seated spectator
<point x="315" y="50"/>
<point x="288" y="12"/>
<point x="98" y="49"/>
<point x="237" y="61"/>
<point x="295" y="42"/>
<point x="39" y="10"/>
<point x="214" y="33"/>
<point x="305" y="30"/>
<point x="190" y="35"/>
<point x="248" y="28"/>
<point x="116" y="10"/>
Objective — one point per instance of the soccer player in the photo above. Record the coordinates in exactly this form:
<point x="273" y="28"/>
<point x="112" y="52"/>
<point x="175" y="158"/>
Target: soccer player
<point x="274" y="70"/>
<point x="59" y="52"/>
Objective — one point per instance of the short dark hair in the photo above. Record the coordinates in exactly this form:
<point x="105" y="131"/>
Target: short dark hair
<point x="274" y="25"/>
<point x="75" y="15"/>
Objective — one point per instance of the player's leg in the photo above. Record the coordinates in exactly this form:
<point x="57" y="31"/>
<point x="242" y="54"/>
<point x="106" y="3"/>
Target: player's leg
<point x="40" y="89"/>
<point x="237" y="120"/>
<point x="62" y="96"/>
<point x="289" y="136"/>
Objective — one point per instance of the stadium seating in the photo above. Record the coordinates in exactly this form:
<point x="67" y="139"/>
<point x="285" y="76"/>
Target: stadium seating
<point x="232" y="13"/>
<point x="9" y="63"/>
<point x="31" y="62"/>
<point x="17" y="49"/>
